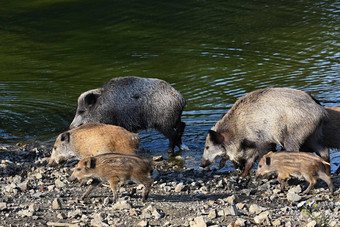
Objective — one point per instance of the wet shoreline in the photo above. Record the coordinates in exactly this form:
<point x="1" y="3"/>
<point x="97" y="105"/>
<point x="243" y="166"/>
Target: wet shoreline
<point x="33" y="194"/>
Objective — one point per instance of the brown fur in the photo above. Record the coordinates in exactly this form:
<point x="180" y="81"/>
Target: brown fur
<point x="93" y="139"/>
<point x="114" y="168"/>
<point x="296" y="164"/>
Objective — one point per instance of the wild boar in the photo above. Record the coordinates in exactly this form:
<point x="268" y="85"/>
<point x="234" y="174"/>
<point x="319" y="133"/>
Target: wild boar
<point x="331" y="130"/>
<point x="135" y="103"/>
<point x="115" y="168"/>
<point x="92" y="139"/>
<point x="262" y="119"/>
<point x="297" y="164"/>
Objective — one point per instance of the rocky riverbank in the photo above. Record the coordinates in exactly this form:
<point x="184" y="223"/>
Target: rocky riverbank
<point x="33" y="194"/>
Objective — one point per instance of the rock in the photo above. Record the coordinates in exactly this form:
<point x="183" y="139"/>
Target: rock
<point x="61" y="216"/>
<point x="293" y="197"/>
<point x="231" y="210"/>
<point x="25" y="213"/>
<point x="297" y="189"/>
<point x="262" y="218"/>
<point x="277" y="222"/>
<point x="256" y="209"/>
<point x="333" y="223"/>
<point x="311" y="224"/>
<point x="59" y="184"/>
<point x="56" y="204"/>
<point x="198" y="222"/>
<point x="230" y="199"/>
<point x="33" y="207"/>
<point x="240" y="206"/>
<point x="157" y="158"/>
<point x="3" y="206"/>
<point x="179" y="187"/>
<point x="74" y="213"/>
<point x="212" y="214"/>
<point x="122" y="205"/>
<point x="143" y="223"/>
<point x="240" y="222"/>
<point x="98" y="223"/>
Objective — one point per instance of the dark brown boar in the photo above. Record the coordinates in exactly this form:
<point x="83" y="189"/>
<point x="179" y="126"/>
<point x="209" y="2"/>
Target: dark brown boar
<point x="295" y="164"/>
<point x="93" y="139"/>
<point x="115" y="168"/>
<point x="331" y="130"/>
<point x="260" y="120"/>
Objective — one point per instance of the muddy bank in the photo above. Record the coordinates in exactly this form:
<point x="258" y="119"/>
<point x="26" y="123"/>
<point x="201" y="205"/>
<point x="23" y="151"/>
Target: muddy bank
<point x="33" y="194"/>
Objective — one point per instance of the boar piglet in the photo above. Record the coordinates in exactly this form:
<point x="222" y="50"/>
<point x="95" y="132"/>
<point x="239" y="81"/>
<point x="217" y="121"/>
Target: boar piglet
<point x="115" y="168"/>
<point x="297" y="164"/>
<point x="93" y="139"/>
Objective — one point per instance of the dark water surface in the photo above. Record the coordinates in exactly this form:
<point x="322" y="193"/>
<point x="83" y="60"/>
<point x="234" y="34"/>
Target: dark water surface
<point x="213" y="52"/>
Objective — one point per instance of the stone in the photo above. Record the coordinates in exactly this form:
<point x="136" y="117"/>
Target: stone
<point x="212" y="214"/>
<point x="56" y="204"/>
<point x="240" y="222"/>
<point x="311" y="224"/>
<point x="256" y="209"/>
<point x="179" y="187"/>
<point x="143" y="223"/>
<point x="122" y="205"/>
<point x="33" y="207"/>
<point x="262" y="218"/>
<point x="297" y="189"/>
<point x="293" y="197"/>
<point x="3" y="206"/>
<point x="230" y="199"/>
<point x="231" y="210"/>
<point x="61" y="216"/>
<point x="277" y="222"/>
<point x="98" y="223"/>
<point x="198" y="222"/>
<point x="75" y="213"/>
<point x="59" y="184"/>
<point x="25" y="213"/>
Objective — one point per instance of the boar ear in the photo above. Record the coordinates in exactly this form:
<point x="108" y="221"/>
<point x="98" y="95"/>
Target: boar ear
<point x="216" y="137"/>
<point x="268" y="161"/>
<point x="91" y="99"/>
<point x="65" y="137"/>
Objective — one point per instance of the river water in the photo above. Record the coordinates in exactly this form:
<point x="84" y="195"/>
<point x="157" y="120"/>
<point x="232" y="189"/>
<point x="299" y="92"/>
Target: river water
<point x="213" y="52"/>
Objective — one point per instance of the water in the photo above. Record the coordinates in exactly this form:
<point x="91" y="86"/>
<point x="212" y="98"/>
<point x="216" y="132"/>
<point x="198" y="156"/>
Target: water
<point x="213" y="52"/>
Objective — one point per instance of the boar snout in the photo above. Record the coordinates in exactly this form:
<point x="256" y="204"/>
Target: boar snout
<point x="52" y="163"/>
<point x="72" y="178"/>
<point x="205" y="163"/>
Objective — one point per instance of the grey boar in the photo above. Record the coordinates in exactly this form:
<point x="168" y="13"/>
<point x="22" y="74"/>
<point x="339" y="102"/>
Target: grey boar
<point x="331" y="130"/>
<point x="92" y="139"/>
<point x="259" y="121"/>
<point x="135" y="103"/>
<point x="296" y="164"/>
<point x="115" y="168"/>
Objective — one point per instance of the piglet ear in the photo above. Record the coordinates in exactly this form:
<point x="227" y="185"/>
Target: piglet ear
<point x="216" y="137"/>
<point x="65" y="137"/>
<point x="92" y="163"/>
<point x="268" y="160"/>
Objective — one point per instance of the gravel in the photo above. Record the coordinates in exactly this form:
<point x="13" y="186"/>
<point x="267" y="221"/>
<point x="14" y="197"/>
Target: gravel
<point x="33" y="194"/>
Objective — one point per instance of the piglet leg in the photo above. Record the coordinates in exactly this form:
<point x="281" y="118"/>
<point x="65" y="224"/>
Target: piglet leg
<point x="94" y="183"/>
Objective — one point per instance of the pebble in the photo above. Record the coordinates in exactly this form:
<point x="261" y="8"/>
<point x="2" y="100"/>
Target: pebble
<point x="143" y="223"/>
<point x="262" y="218"/>
<point x="59" y="184"/>
<point x="293" y="197"/>
<point x="179" y="187"/>
<point x="98" y="223"/>
<point x="75" y="213"/>
<point x="3" y="206"/>
<point x="34" y="207"/>
<point x="231" y="210"/>
<point x="240" y="222"/>
<point x="56" y="204"/>
<point x="198" y="222"/>
<point x="256" y="209"/>
<point x="230" y="199"/>
<point x="122" y="205"/>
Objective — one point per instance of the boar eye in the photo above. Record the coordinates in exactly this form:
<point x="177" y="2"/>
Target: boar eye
<point x="207" y="147"/>
<point x="78" y="169"/>
<point x="55" y="148"/>
<point x="81" y="111"/>
<point x="260" y="166"/>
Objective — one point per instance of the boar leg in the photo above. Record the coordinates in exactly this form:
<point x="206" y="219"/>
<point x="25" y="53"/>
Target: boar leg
<point x="94" y="183"/>
<point x="114" y="186"/>
<point x="222" y="162"/>
<point x="323" y="176"/>
<point x="282" y="179"/>
<point x="312" y="182"/>
<point x="179" y="130"/>
<point x="249" y="164"/>
<point x="147" y="182"/>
